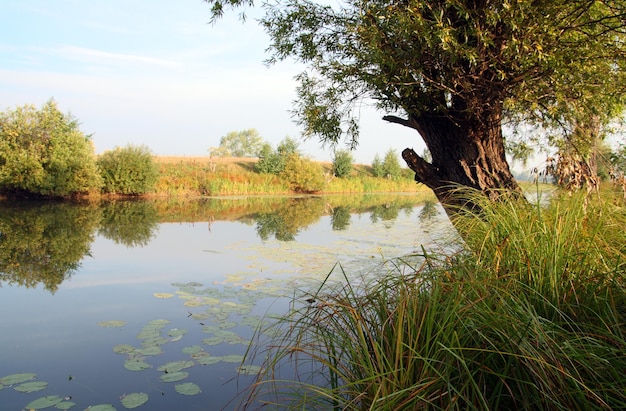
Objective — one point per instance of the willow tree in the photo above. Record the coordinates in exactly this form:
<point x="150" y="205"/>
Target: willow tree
<point x="449" y="69"/>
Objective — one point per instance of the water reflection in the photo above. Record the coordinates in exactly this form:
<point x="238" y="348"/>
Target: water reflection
<point x="44" y="243"/>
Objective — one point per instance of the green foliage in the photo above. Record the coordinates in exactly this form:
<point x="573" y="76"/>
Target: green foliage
<point x="274" y="161"/>
<point x="342" y="163"/>
<point x="130" y="170"/>
<point x="245" y="143"/>
<point x="303" y="175"/>
<point x="530" y="316"/>
<point x="391" y="165"/>
<point x="44" y="152"/>
<point x="377" y="167"/>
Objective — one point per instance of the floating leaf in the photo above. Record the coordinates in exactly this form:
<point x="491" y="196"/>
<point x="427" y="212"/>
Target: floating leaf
<point x="154" y="350"/>
<point x="187" y="388"/>
<point x="112" y="323"/>
<point x="158" y="323"/>
<point x="134" y="400"/>
<point x="17" y="378"/>
<point x="136" y="364"/>
<point x="232" y="358"/>
<point x="123" y="349"/>
<point x="148" y="334"/>
<point x="31" y="386"/>
<point x="175" y="366"/>
<point x="44" y="402"/>
<point x="163" y="295"/>
<point x="174" y="376"/>
<point x="65" y="405"/>
<point x="212" y="340"/>
<point x="192" y="350"/>
<point x="102" y="407"/>
<point x="204" y="358"/>
<point x="177" y="332"/>
<point x="249" y="369"/>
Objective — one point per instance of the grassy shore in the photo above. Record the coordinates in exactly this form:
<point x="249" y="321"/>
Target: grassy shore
<point x="205" y="176"/>
<point x="529" y="315"/>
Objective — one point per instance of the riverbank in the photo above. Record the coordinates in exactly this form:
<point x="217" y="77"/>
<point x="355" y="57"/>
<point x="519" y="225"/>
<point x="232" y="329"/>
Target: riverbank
<point x="206" y="176"/>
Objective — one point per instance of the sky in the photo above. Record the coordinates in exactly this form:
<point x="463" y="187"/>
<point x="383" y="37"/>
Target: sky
<point x="157" y="73"/>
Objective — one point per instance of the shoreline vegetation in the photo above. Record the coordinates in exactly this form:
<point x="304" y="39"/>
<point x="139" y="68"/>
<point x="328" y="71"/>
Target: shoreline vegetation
<point x="233" y="176"/>
<point x="529" y="314"/>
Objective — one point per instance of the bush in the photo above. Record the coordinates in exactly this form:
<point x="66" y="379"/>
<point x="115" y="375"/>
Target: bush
<point x="342" y="163"/>
<point x="303" y="175"/>
<point x="274" y="161"/>
<point x="377" y="167"/>
<point x="44" y="152"/>
<point x="130" y="170"/>
<point x="391" y="165"/>
<point x="270" y="161"/>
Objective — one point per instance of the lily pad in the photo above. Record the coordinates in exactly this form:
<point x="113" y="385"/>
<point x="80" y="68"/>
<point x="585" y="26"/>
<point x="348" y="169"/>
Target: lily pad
<point x="174" y="376"/>
<point x="213" y="340"/>
<point x="44" y="402"/>
<point x="206" y="359"/>
<point x="153" y="350"/>
<point x="232" y="358"/>
<point x="112" y="323"/>
<point x="177" y="332"/>
<point x="187" y="388"/>
<point x="249" y="369"/>
<point x="194" y="349"/>
<point x="17" y="378"/>
<point x="65" y="405"/>
<point x="175" y="366"/>
<point x="123" y="349"/>
<point x="163" y="295"/>
<point x="136" y="364"/>
<point x="102" y="407"/>
<point x="134" y="400"/>
<point x="32" y="386"/>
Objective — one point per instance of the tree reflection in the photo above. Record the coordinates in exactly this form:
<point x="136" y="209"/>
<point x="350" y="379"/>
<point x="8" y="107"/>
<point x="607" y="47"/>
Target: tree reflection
<point x="290" y="217"/>
<point x="428" y="211"/>
<point x="340" y="218"/>
<point x="130" y="223"/>
<point x="40" y="243"/>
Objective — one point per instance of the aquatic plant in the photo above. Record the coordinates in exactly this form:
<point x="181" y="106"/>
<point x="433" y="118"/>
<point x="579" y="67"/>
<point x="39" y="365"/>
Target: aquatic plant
<point x="529" y="315"/>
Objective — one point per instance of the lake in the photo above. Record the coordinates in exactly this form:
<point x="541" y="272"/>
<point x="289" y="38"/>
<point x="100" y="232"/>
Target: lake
<point x="107" y="305"/>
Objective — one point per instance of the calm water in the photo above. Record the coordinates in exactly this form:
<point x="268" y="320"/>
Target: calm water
<point x="100" y="302"/>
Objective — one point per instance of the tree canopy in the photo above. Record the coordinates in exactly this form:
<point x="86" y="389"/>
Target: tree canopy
<point x="453" y="70"/>
<point x="244" y="143"/>
<point x="43" y="151"/>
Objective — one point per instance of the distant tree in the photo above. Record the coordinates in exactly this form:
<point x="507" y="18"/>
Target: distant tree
<point x="342" y="163"/>
<point x="44" y="152"/>
<point x="130" y="170"/>
<point x="391" y="165"/>
<point x="288" y="146"/>
<point x="245" y="143"/>
<point x="377" y="167"/>
<point x="273" y="161"/>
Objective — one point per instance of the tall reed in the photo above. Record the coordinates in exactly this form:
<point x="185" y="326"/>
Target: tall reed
<point x="529" y="316"/>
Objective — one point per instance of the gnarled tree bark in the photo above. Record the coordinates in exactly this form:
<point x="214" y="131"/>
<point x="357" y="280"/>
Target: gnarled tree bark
<point x="466" y="151"/>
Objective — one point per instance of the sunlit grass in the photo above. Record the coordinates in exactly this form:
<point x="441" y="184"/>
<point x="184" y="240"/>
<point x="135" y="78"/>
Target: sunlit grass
<point x="529" y="316"/>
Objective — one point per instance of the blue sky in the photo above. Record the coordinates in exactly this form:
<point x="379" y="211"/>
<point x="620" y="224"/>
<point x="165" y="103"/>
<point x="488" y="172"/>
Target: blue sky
<point x="157" y="73"/>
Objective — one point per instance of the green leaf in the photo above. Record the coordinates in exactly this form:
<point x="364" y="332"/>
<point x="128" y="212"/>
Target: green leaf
<point x="17" y="378"/>
<point x="175" y="366"/>
<point x="136" y="365"/>
<point x="174" y="376"/>
<point x="102" y="407"/>
<point x="134" y="400"/>
<point x="44" y="402"/>
<point x="187" y="388"/>
<point x="123" y="349"/>
<point x="31" y="386"/>
<point x="65" y="405"/>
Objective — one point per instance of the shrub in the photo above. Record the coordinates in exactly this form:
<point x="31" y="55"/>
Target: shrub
<point x="391" y="165"/>
<point x="303" y="175"/>
<point x="130" y="170"/>
<point x="377" y="167"/>
<point x="270" y="161"/>
<point x="44" y="152"/>
<point x="342" y="163"/>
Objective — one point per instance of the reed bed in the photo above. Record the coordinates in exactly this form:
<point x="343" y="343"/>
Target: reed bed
<point x="529" y="315"/>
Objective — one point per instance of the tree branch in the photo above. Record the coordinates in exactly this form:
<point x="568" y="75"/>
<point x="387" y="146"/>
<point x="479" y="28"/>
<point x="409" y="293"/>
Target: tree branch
<point x="402" y="122"/>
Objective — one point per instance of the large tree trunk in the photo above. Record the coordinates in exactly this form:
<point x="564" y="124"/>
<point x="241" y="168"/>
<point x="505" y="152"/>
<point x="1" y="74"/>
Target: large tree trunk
<point x="468" y="153"/>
